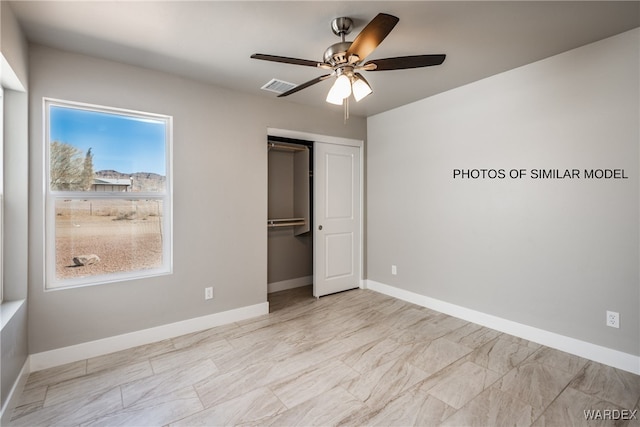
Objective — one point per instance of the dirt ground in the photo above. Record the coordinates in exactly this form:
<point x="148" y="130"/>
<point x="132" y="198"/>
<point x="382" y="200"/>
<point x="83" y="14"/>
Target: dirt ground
<point x="126" y="237"/>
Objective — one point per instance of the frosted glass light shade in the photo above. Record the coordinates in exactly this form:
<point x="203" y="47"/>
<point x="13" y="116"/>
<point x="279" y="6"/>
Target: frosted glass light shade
<point x="360" y="89"/>
<point x="340" y="90"/>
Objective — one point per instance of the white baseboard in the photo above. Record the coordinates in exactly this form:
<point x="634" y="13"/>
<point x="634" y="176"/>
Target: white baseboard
<point x="597" y="353"/>
<point x="14" y="394"/>
<point x="289" y="284"/>
<point x="74" y="353"/>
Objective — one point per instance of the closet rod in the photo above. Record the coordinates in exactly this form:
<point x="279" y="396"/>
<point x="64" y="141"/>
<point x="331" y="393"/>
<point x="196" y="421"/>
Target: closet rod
<point x="286" y="147"/>
<point x="285" y="222"/>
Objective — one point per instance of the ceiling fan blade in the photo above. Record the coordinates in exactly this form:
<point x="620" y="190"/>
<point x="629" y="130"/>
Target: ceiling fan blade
<point x="285" y="60"/>
<point x="404" y="62"/>
<point x="372" y="35"/>
<point x="305" y="85"/>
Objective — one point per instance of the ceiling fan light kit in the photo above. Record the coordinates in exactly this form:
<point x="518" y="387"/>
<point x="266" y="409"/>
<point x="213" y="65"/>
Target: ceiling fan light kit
<point x="345" y="60"/>
<point x="348" y="83"/>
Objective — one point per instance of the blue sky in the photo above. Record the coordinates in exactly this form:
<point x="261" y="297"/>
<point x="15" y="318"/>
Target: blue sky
<point x="122" y="143"/>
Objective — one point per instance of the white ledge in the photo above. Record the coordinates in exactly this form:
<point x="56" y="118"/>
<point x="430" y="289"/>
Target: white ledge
<point x="8" y="309"/>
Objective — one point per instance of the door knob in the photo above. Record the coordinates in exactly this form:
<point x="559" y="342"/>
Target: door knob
<point x="319" y="227"/>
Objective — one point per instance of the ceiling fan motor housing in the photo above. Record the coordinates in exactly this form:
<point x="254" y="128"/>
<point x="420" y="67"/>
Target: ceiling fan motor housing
<point x="336" y="54"/>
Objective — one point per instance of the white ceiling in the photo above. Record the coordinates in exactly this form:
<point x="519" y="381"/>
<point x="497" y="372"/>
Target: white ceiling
<point x="211" y="41"/>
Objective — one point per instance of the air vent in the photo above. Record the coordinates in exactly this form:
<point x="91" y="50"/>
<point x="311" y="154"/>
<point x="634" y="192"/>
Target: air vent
<point x="278" y="86"/>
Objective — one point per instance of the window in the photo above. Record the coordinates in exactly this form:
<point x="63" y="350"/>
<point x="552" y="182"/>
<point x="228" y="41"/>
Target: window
<point x="1" y="193"/>
<point x="108" y="194"/>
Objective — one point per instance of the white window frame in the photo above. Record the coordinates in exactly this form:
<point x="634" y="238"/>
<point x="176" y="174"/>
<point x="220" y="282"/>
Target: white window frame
<point x="51" y="282"/>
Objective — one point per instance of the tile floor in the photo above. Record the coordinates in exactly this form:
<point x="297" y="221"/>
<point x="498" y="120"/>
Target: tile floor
<point x="355" y="358"/>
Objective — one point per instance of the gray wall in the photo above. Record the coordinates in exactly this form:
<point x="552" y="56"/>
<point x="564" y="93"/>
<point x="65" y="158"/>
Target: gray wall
<point x="13" y="337"/>
<point x="220" y="197"/>
<point x="553" y="254"/>
<point x="12" y="43"/>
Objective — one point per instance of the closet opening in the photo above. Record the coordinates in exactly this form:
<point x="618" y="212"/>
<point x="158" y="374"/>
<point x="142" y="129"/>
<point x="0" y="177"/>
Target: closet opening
<point x="289" y="221"/>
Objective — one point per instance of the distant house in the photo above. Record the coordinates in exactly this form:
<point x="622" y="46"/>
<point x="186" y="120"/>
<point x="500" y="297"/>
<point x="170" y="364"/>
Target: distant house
<point x="112" y="184"/>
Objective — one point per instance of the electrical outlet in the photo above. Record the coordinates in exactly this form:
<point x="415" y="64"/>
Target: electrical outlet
<point x="394" y="270"/>
<point x="208" y="292"/>
<point x="613" y="319"/>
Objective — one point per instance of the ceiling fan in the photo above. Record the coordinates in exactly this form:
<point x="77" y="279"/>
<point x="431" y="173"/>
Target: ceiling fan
<point x="346" y="60"/>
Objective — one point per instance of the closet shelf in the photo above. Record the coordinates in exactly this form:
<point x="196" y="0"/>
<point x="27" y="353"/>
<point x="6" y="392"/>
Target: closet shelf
<point x="285" y="222"/>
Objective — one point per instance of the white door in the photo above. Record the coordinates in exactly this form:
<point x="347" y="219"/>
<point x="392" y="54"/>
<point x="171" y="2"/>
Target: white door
<point x="336" y="236"/>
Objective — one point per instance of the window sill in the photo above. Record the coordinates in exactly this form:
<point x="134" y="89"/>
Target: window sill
<point x="8" y="309"/>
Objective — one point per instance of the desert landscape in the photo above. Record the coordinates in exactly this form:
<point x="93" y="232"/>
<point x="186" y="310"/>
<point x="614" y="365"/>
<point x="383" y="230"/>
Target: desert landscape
<point x="126" y="235"/>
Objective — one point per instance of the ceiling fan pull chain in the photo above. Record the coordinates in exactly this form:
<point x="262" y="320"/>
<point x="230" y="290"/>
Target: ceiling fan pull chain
<point x="346" y="110"/>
